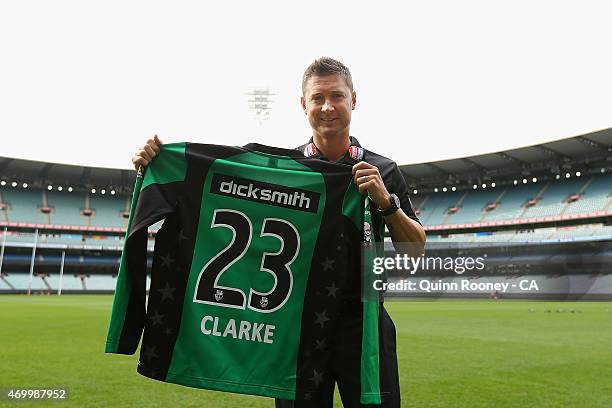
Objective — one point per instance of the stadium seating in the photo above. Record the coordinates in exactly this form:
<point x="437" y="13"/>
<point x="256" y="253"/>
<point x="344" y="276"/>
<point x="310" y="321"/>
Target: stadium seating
<point x="4" y="285"/>
<point x="552" y="199"/>
<point x="436" y="208"/>
<point x="472" y="208"/>
<point x="70" y="282"/>
<point x="595" y="194"/>
<point x="64" y="239"/>
<point x="596" y="197"/>
<point x="23" y="205"/>
<point x="100" y="282"/>
<point x="66" y="208"/>
<point x="20" y="281"/>
<point x="71" y="240"/>
<point x="510" y="206"/>
<point x="108" y="210"/>
<point x="593" y="231"/>
<point x="13" y="237"/>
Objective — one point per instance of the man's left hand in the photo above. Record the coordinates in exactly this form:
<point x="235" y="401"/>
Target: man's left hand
<point x="368" y="180"/>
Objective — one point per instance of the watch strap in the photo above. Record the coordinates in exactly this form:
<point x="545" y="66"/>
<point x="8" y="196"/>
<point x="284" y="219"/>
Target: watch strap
<point x="392" y="208"/>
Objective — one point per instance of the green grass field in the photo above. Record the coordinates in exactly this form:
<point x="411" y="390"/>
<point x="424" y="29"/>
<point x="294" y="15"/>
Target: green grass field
<point x="452" y="354"/>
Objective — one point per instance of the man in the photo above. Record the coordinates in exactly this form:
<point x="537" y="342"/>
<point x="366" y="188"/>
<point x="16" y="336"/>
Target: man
<point x="328" y="100"/>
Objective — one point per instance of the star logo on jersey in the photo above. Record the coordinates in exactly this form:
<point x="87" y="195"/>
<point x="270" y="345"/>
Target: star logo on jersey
<point x="218" y="295"/>
<point x="149" y="352"/>
<point x="317" y="377"/>
<point x="167" y="261"/>
<point x="331" y="290"/>
<point x="157" y="318"/>
<point x="181" y="235"/>
<point x="320" y="344"/>
<point x="328" y="264"/>
<point x="263" y="302"/>
<point x="167" y="292"/>
<point x="321" y="318"/>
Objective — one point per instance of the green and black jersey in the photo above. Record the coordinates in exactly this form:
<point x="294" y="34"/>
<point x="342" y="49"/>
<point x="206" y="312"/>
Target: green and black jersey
<point x="248" y="270"/>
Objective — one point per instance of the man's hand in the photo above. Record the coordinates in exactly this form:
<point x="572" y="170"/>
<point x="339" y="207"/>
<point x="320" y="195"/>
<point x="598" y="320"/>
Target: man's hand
<point x="401" y="227"/>
<point x="146" y="153"/>
<point x="368" y="180"/>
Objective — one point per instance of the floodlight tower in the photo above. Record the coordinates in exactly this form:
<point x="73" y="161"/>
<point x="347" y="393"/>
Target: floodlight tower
<point x="260" y="103"/>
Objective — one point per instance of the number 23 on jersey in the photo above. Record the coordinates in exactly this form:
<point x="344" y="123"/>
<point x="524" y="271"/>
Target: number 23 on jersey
<point x="277" y="264"/>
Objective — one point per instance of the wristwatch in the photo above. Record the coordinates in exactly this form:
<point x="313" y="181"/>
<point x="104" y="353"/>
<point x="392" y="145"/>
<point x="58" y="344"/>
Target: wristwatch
<point x="395" y="205"/>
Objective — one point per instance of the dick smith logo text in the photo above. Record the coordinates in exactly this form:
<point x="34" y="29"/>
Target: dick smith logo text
<point x="267" y="193"/>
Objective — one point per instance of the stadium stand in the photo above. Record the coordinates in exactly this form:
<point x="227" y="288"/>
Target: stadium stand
<point x="66" y="208"/>
<point x="552" y="198"/>
<point x="592" y="231"/>
<point x="436" y="209"/>
<point x="593" y="194"/>
<point x="108" y="210"/>
<point x="570" y="201"/>
<point x="23" y="205"/>
<point x="596" y="197"/>
<point x="510" y="205"/>
<point x="510" y="202"/>
<point x="70" y="282"/>
<point x="101" y="282"/>
<point x="473" y="206"/>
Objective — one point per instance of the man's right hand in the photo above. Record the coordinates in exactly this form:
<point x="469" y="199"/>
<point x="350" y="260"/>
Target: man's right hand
<point x="146" y="153"/>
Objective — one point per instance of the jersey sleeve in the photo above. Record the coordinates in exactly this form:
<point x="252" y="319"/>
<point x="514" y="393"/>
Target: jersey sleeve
<point x="400" y="188"/>
<point x="154" y="199"/>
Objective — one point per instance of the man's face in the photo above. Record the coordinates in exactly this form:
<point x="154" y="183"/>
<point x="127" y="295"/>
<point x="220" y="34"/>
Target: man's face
<point x="328" y="103"/>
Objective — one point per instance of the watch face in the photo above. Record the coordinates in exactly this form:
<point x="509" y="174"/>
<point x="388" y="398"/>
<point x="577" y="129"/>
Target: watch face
<point x="396" y="200"/>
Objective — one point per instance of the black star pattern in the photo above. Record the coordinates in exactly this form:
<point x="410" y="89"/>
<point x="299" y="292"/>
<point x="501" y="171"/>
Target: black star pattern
<point x="317" y="377"/>
<point x="167" y="292"/>
<point x="182" y="236"/>
<point x="321" y="318"/>
<point x="331" y="290"/>
<point x="157" y="318"/>
<point x="328" y="264"/>
<point x="149" y="352"/>
<point x="167" y="261"/>
<point x="320" y="344"/>
<point x="308" y="354"/>
<point x="168" y="331"/>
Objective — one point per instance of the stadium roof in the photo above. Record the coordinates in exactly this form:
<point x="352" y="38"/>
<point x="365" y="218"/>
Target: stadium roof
<point x="588" y="152"/>
<point x="38" y="174"/>
<point x="591" y="151"/>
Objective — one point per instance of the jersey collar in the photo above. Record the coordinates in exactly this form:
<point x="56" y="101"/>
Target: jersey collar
<point x="353" y="155"/>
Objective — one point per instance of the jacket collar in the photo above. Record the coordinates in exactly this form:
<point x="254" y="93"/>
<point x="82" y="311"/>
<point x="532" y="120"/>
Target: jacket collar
<point x="354" y="154"/>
